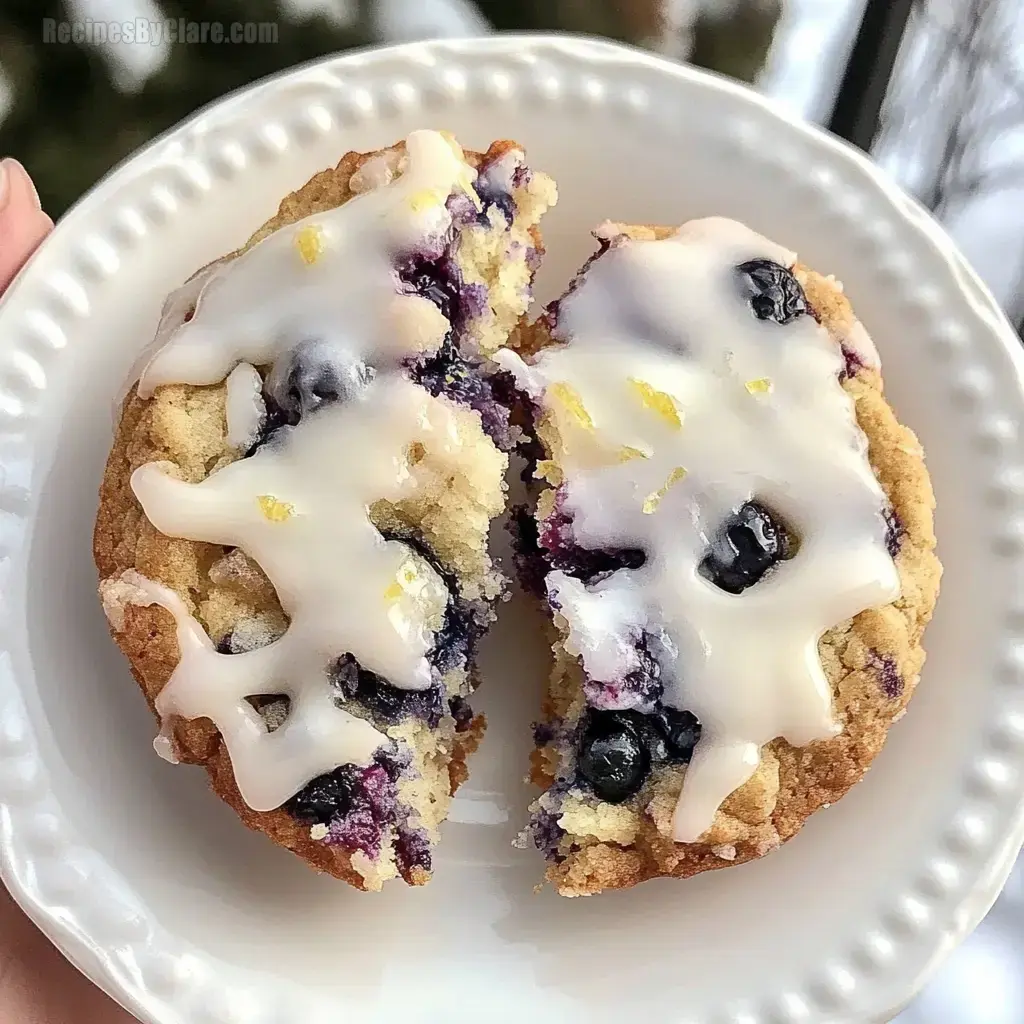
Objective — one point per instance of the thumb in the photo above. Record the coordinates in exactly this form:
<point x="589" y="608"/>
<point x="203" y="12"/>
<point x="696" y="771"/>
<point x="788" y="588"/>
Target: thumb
<point x="23" y="225"/>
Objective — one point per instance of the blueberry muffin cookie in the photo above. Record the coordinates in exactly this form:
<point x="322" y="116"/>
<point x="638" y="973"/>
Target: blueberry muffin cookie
<point x="735" y="540"/>
<point x="292" y="531"/>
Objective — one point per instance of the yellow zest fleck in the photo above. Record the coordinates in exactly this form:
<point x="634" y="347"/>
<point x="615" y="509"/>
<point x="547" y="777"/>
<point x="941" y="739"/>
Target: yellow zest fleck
<point x="761" y="386"/>
<point x="628" y="453"/>
<point x="274" y="510"/>
<point x="658" y="402"/>
<point x="407" y="575"/>
<point x="569" y="399"/>
<point x="653" y="500"/>
<point x="425" y="199"/>
<point x="310" y="243"/>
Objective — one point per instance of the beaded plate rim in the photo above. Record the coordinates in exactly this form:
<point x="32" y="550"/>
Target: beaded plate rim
<point x="84" y="907"/>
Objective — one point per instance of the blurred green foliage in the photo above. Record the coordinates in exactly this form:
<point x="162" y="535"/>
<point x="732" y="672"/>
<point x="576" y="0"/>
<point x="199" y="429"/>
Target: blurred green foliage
<point x="69" y="123"/>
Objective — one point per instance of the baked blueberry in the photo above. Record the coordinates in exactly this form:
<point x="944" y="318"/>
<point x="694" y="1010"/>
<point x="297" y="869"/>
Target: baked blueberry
<point x="435" y="279"/>
<point x="612" y="756"/>
<point x="547" y="834"/>
<point x="275" y="427"/>
<point x="591" y="565"/>
<point x="381" y="698"/>
<point x="772" y="290"/>
<point x="493" y="194"/>
<point x="465" y="622"/>
<point x="314" y="374"/>
<point x="894" y="530"/>
<point x="556" y="538"/>
<point x="747" y="545"/>
<point x="668" y="734"/>
<point x="681" y="730"/>
<point x="325" y="798"/>
<point x="412" y="850"/>
<point x="890" y="680"/>
<point x="463" y="381"/>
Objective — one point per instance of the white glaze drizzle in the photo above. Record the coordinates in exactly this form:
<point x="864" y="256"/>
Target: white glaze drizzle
<point x="327" y="276"/>
<point x="298" y="506"/>
<point x="244" y="408"/>
<point x="755" y="410"/>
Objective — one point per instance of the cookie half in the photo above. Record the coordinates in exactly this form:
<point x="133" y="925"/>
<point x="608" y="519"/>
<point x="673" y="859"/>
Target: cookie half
<point x="293" y="521"/>
<point x="734" y="538"/>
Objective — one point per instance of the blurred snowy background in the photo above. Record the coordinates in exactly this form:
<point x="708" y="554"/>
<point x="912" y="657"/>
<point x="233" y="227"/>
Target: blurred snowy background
<point x="950" y="129"/>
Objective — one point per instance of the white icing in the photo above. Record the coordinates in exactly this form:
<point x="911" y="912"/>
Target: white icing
<point x="599" y="626"/>
<point x="500" y="173"/>
<point x="344" y="588"/>
<point x="244" y="407"/>
<point x="762" y="415"/>
<point x="324" y="286"/>
<point x="261" y="303"/>
<point x="173" y="313"/>
<point x="376" y="172"/>
<point x="860" y="343"/>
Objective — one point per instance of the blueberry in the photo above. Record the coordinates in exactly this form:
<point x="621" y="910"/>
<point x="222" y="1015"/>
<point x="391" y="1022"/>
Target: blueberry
<point x="464" y="382"/>
<point x="412" y="850"/>
<point x="668" y="734"/>
<point x="772" y="290"/>
<point x="456" y="641"/>
<point x="889" y="679"/>
<point x="618" y="748"/>
<point x="461" y="208"/>
<point x="547" y="834"/>
<point x="612" y="757"/>
<point x="748" y="544"/>
<point x="588" y="564"/>
<point x="493" y="195"/>
<point x="851" y="364"/>
<point x="314" y="374"/>
<point x="447" y="372"/>
<point x="592" y="565"/>
<point x="276" y="425"/>
<point x="324" y="799"/>
<point x="894" y="530"/>
<point x="387" y="702"/>
<point x="465" y="622"/>
<point x="682" y="731"/>
<point x="438" y="280"/>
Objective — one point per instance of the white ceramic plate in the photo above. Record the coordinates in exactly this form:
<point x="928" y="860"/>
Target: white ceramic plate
<point x="152" y="886"/>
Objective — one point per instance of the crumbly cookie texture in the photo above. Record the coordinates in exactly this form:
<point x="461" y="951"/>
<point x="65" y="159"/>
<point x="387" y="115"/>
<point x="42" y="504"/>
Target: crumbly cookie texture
<point x="872" y="662"/>
<point x="447" y="521"/>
